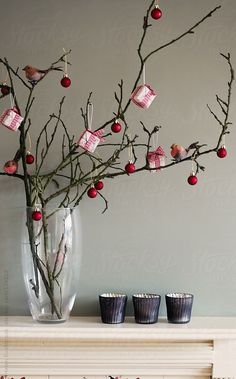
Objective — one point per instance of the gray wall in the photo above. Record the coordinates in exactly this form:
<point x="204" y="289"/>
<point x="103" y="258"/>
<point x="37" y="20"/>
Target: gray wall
<point x="159" y="233"/>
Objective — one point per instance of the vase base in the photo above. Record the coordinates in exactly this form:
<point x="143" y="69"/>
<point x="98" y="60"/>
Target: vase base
<point x="49" y="319"/>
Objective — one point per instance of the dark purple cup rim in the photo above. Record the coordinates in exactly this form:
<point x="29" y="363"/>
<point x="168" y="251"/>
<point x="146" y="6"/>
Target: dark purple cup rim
<point x="112" y="295"/>
<point x="146" y="296"/>
<point x="179" y="295"/>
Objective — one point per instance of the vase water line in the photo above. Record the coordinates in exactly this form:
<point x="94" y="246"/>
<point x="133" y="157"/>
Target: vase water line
<point x="50" y="260"/>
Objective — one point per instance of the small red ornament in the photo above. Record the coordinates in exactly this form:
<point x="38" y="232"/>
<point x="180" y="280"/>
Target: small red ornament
<point x="11" y="167"/>
<point x="116" y="127"/>
<point x="29" y="158"/>
<point x="92" y="193"/>
<point x="5" y="90"/>
<point x="36" y="215"/>
<point x="130" y="168"/>
<point x="99" y="185"/>
<point x="192" y="179"/>
<point x="156" y="13"/>
<point x="65" y="81"/>
<point x="222" y="152"/>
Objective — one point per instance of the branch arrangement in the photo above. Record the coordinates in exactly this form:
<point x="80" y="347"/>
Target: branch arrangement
<point x="79" y="171"/>
<point x="73" y="164"/>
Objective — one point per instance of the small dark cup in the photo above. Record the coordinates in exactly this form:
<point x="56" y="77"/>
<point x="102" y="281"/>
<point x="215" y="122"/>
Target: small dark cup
<point x="146" y="308"/>
<point x="112" y="307"/>
<point x="179" y="307"/>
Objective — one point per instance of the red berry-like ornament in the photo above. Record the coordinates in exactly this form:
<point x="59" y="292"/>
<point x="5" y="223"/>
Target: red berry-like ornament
<point x="5" y="90"/>
<point x="156" y="13"/>
<point x="65" y="81"/>
<point x="130" y="168"/>
<point x="192" y="179"/>
<point x="10" y="167"/>
<point x="29" y="158"/>
<point x="36" y="215"/>
<point x="92" y="193"/>
<point x="99" y="185"/>
<point x="222" y="152"/>
<point x="116" y="127"/>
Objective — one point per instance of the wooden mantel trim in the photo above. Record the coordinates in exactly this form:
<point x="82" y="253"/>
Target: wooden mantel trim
<point x="91" y="328"/>
<point x="84" y="346"/>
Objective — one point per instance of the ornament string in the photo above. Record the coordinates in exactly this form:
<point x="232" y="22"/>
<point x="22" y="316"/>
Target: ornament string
<point x="130" y="150"/>
<point x="12" y="102"/>
<point x="193" y="171"/>
<point x="155" y="139"/>
<point x="66" y="63"/>
<point x="2" y="75"/>
<point x="90" y="116"/>
<point x="223" y="140"/>
<point x="29" y="139"/>
<point x="36" y="199"/>
<point x="144" y="79"/>
<point x="144" y="74"/>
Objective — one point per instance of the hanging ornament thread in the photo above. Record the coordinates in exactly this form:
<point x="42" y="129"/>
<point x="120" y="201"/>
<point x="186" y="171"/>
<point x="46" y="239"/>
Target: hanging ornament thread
<point x="65" y="81"/>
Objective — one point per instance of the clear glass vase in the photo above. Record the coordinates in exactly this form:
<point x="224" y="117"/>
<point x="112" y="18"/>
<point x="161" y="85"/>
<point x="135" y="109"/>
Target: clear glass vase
<point x="51" y="252"/>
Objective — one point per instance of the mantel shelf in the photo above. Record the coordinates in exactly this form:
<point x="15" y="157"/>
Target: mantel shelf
<point x="91" y="328"/>
<point x="85" y="346"/>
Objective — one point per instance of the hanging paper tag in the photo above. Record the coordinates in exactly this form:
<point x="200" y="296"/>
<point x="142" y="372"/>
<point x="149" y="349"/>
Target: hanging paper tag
<point x="143" y="96"/>
<point x="156" y="159"/>
<point x="11" y="119"/>
<point x="90" y="140"/>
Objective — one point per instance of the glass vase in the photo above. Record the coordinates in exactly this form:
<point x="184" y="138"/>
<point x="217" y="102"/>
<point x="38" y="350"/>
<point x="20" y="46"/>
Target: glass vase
<point x="51" y="261"/>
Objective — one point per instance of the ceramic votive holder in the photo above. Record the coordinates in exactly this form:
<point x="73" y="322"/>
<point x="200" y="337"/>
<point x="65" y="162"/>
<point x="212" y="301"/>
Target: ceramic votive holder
<point x="179" y="307"/>
<point x="146" y="308"/>
<point x="112" y="306"/>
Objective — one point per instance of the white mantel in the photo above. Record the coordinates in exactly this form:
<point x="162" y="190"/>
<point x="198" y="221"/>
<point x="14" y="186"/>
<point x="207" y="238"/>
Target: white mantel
<point x="85" y="347"/>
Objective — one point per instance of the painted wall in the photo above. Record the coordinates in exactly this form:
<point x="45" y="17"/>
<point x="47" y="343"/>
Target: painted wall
<point x="159" y="233"/>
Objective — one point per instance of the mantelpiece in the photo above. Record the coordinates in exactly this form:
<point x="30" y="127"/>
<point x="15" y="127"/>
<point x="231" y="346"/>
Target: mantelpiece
<point x="85" y="347"/>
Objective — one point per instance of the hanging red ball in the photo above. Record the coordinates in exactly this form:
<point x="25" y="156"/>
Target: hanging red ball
<point x="192" y="180"/>
<point x="29" y="158"/>
<point x="5" y="90"/>
<point x="65" y="81"/>
<point x="99" y="185"/>
<point x="92" y="193"/>
<point x="36" y="215"/>
<point x="116" y="127"/>
<point x="222" y="152"/>
<point x="156" y="13"/>
<point x="10" y="167"/>
<point x="130" y="168"/>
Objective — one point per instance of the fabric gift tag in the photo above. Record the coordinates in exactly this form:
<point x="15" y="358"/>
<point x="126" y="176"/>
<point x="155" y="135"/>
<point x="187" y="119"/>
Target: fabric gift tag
<point x="156" y="159"/>
<point x="143" y="96"/>
<point x="90" y="140"/>
<point x="11" y="119"/>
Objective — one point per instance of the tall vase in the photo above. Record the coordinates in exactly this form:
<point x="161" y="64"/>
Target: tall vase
<point x="51" y="261"/>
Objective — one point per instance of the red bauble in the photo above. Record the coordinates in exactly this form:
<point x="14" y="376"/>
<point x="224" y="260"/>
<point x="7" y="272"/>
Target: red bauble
<point x="156" y="13"/>
<point x="99" y="185"/>
<point x="222" y="152"/>
<point x="36" y="215"/>
<point x="192" y="180"/>
<point x="5" y="90"/>
<point x="92" y="193"/>
<point x="130" y="168"/>
<point x="11" y="167"/>
<point x="29" y="158"/>
<point x="116" y="127"/>
<point x="65" y="81"/>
